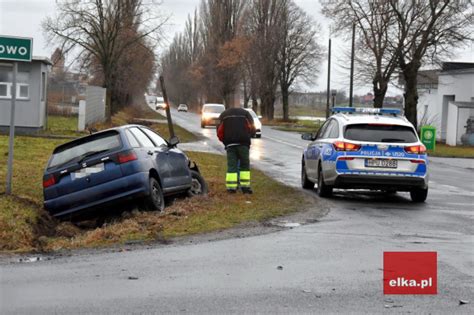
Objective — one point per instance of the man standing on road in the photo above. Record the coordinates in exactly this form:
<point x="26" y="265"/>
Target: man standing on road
<point x="235" y="130"/>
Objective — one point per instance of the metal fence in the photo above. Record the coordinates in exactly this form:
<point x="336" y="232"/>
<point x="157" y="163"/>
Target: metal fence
<point x="92" y="110"/>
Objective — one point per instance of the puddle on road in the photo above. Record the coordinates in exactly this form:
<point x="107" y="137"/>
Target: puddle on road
<point x="287" y="224"/>
<point x="30" y="259"/>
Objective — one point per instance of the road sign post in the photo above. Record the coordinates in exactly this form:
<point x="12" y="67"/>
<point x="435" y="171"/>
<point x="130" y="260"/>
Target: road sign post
<point x="14" y="49"/>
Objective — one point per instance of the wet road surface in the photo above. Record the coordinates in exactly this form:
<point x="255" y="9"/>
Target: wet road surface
<point x="332" y="266"/>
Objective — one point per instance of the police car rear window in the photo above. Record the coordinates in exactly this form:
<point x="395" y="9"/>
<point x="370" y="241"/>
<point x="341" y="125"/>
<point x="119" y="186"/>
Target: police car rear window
<point x="380" y="133"/>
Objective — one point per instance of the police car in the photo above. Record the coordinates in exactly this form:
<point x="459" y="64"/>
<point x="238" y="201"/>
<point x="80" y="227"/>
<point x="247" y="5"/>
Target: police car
<point x="366" y="148"/>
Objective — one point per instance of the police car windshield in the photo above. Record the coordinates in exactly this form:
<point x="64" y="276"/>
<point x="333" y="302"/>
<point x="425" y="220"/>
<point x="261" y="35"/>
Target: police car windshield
<point x="380" y="133"/>
<point x="213" y="108"/>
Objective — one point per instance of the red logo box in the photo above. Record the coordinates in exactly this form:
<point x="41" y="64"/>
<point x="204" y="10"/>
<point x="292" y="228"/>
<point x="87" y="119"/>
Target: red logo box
<point x="410" y="273"/>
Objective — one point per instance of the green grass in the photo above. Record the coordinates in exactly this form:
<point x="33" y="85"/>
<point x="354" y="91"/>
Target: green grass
<point x="63" y="126"/>
<point x="301" y="126"/>
<point x="443" y="150"/>
<point x="302" y="111"/>
<point x="25" y="226"/>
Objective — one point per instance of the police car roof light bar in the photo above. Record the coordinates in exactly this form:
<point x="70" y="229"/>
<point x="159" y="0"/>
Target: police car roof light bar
<point x="363" y="110"/>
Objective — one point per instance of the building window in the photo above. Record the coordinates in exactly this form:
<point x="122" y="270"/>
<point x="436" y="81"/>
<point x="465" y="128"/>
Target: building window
<point x="23" y="91"/>
<point x="3" y="90"/>
<point x="43" y="86"/>
<point x="6" y="85"/>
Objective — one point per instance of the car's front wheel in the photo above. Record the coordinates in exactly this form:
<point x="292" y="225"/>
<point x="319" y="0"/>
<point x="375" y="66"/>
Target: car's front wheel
<point x="155" y="200"/>
<point x="419" y="194"/>
<point x="324" y="190"/>
<point x="305" y="182"/>
<point x="198" y="185"/>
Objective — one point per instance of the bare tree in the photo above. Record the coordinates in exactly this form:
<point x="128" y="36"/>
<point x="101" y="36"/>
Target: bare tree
<point x="375" y="21"/>
<point x="220" y="22"/>
<point x="100" y="30"/>
<point x="299" y="51"/>
<point x="264" y="24"/>
<point x="427" y="30"/>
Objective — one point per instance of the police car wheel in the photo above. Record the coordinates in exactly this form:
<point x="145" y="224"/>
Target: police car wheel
<point x="305" y="182"/>
<point x="323" y="189"/>
<point x="419" y="194"/>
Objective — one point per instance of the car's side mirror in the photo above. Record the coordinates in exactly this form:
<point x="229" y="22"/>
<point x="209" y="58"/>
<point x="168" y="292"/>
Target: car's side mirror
<point x="173" y="141"/>
<point x="307" y="136"/>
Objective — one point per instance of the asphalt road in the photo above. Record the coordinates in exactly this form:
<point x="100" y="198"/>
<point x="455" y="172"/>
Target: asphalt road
<point x="332" y="266"/>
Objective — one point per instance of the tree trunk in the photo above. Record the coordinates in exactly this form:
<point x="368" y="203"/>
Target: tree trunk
<point x="285" y="97"/>
<point x="411" y="93"/>
<point x="267" y="106"/>
<point x="108" y="105"/>
<point x="255" y="103"/>
<point x="379" y="94"/>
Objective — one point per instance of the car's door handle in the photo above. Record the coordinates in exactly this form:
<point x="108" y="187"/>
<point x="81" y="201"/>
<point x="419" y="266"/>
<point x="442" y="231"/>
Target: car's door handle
<point x="150" y="152"/>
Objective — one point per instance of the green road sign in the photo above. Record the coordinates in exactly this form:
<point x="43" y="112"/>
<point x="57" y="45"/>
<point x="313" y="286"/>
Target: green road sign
<point x="15" y="48"/>
<point x="428" y="137"/>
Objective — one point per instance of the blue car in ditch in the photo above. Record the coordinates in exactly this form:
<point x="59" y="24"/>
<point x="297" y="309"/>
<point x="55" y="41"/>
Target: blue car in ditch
<point x="127" y="162"/>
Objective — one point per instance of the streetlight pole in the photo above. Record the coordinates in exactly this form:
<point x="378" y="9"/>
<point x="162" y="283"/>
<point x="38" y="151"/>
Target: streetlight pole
<point x="351" y="88"/>
<point x="329" y="78"/>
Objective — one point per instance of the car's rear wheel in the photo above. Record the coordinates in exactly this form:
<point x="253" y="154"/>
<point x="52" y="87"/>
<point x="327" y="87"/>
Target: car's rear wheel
<point x="155" y="200"/>
<point x="198" y="185"/>
<point x="305" y="182"/>
<point x="419" y="194"/>
<point x="324" y="190"/>
<point x="258" y="136"/>
<point x="203" y="125"/>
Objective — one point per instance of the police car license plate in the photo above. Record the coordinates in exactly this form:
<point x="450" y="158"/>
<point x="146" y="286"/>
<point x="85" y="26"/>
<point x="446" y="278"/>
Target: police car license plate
<point x="88" y="171"/>
<point x="382" y="163"/>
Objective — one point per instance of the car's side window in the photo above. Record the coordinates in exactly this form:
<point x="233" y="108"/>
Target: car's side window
<point x="144" y="140"/>
<point x="321" y="130"/>
<point x="327" y="130"/>
<point x="159" y="141"/>
<point x="334" y="132"/>
<point x="131" y="139"/>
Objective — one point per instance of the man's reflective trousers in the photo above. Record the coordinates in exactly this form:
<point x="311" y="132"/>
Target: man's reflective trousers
<point x="238" y="166"/>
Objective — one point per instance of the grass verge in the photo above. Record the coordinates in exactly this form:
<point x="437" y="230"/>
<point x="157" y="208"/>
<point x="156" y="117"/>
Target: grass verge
<point x="25" y="226"/>
<point x="443" y="150"/>
<point x="293" y="125"/>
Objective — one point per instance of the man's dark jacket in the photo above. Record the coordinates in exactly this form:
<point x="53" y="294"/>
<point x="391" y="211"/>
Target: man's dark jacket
<point x="236" y="127"/>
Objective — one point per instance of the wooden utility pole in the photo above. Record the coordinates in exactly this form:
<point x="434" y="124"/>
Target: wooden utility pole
<point x="168" y="111"/>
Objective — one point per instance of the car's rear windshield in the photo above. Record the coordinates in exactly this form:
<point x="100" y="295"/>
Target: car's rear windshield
<point x="87" y="146"/>
<point x="380" y="133"/>
<point x="213" y="108"/>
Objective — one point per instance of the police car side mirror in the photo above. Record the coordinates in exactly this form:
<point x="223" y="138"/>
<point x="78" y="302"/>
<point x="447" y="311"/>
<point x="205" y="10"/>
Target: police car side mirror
<point x="307" y="136"/>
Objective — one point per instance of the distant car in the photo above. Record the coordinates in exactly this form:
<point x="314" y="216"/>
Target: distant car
<point x="160" y="103"/>
<point x="182" y="108"/>
<point x="366" y="148"/>
<point x="127" y="162"/>
<point x="210" y="114"/>
<point x="256" y="122"/>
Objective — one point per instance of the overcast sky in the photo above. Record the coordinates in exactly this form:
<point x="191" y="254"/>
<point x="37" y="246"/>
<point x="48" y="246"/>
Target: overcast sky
<point x="23" y="18"/>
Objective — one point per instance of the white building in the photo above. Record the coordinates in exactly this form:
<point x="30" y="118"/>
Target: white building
<point x="446" y="100"/>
